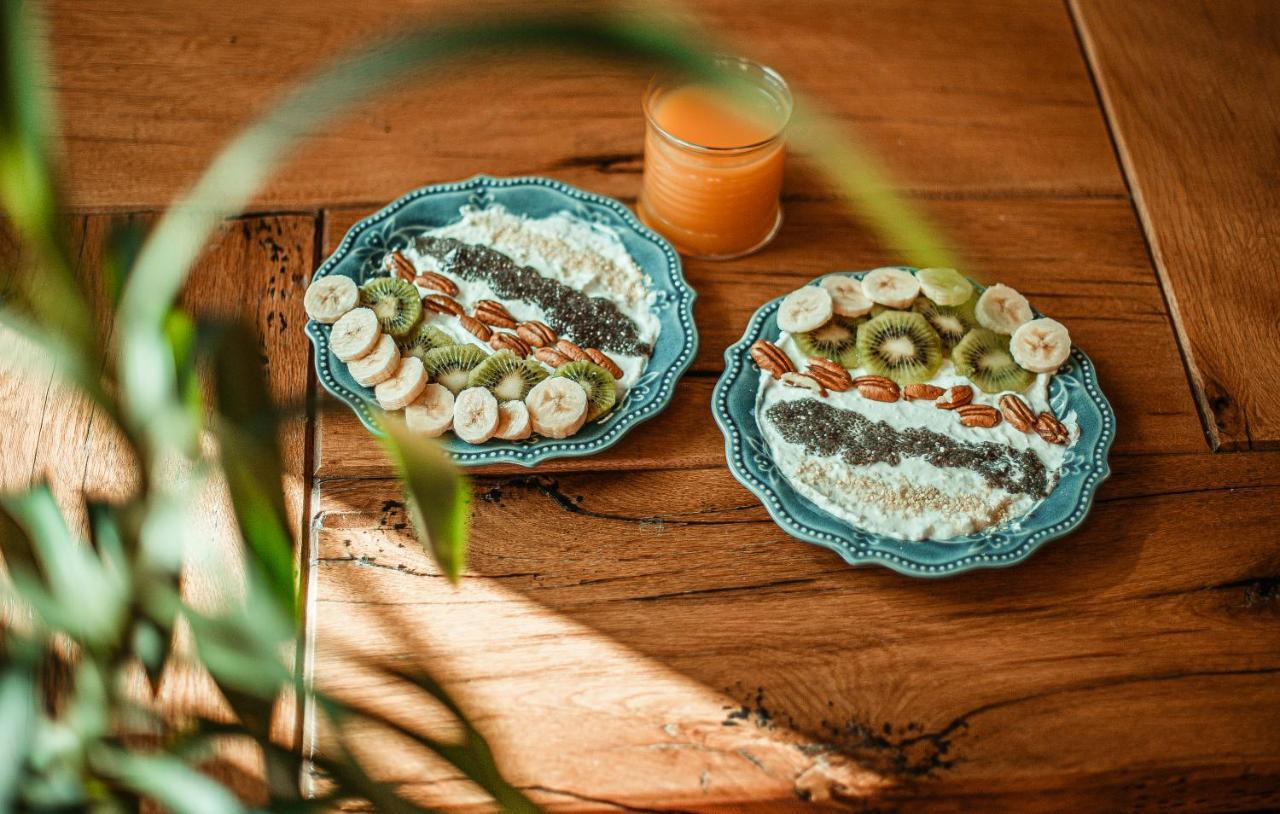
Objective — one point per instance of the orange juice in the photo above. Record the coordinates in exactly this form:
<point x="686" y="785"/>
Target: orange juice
<point x="713" y="163"/>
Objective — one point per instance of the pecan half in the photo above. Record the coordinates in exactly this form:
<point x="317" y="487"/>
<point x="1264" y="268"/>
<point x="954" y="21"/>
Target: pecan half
<point x="536" y="333"/>
<point x="571" y="350"/>
<point x="503" y="340"/>
<point x="442" y="304"/>
<point x="877" y="388"/>
<point x="492" y="312"/>
<point x="829" y="374"/>
<point x="437" y="282"/>
<point x="399" y="265"/>
<point x="476" y="328"/>
<point x="958" y="396"/>
<point x="793" y="379"/>
<point x="1051" y="429"/>
<point x="978" y="415"/>
<point x="605" y="362"/>
<point x="770" y="358"/>
<point x="1016" y="412"/>
<point x="551" y="356"/>
<point x="925" y="392"/>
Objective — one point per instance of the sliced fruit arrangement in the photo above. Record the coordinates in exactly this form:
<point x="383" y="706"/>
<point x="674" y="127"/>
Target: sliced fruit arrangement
<point x="535" y="382"/>
<point x="898" y="327"/>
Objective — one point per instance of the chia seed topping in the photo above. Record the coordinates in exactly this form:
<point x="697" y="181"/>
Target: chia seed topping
<point x="594" y="322"/>
<point x="831" y="431"/>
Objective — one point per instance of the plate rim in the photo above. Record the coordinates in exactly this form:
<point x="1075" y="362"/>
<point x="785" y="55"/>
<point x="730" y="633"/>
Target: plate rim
<point x="774" y="504"/>
<point x="524" y="454"/>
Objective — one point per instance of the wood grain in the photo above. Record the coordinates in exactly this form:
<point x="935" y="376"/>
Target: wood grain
<point x="658" y="623"/>
<point x="1190" y="89"/>
<point x="953" y="99"/>
<point x="1080" y="261"/>
<point x="254" y="269"/>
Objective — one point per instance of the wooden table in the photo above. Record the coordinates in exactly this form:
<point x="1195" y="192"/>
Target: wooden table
<point x="634" y="633"/>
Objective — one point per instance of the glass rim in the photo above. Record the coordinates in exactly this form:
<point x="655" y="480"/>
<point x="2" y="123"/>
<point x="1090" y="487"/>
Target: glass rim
<point x="765" y="77"/>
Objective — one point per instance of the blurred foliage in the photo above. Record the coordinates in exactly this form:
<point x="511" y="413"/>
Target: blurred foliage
<point x="91" y="604"/>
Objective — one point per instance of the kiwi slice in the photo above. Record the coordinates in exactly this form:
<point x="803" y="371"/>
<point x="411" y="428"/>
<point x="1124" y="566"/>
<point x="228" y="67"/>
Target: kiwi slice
<point x="983" y="357"/>
<point x="507" y="376"/>
<point x="837" y="341"/>
<point x="452" y="365"/>
<point x="901" y="346"/>
<point x="951" y="322"/>
<point x="598" y="383"/>
<point x="396" y="303"/>
<point x="426" y="338"/>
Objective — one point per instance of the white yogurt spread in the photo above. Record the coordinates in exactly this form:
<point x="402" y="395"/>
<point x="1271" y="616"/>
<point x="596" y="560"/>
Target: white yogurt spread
<point x="913" y="499"/>
<point x="586" y="256"/>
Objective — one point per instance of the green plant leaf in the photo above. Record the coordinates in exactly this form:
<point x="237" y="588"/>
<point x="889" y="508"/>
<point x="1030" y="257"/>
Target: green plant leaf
<point x="249" y="450"/>
<point x="437" y="496"/>
<point x="167" y="780"/>
<point x="90" y="600"/>
<point x="18" y="698"/>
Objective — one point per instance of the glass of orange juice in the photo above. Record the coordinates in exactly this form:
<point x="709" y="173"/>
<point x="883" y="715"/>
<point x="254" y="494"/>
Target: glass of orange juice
<point x="713" y="161"/>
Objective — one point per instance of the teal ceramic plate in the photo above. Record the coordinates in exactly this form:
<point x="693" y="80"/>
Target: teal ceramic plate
<point x="1074" y="388"/>
<point x="360" y="255"/>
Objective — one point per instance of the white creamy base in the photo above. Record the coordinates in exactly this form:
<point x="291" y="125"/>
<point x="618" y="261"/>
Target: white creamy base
<point x="585" y="256"/>
<point x="912" y="500"/>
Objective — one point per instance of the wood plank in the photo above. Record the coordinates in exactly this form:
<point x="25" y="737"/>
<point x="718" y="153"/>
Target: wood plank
<point x="681" y="651"/>
<point x="1081" y="261"/>
<point x="255" y="269"/>
<point x="1190" y="89"/>
<point x="149" y="89"/>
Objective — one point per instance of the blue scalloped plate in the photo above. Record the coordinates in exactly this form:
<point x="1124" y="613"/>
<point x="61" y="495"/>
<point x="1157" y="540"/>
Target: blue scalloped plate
<point x="1074" y="388"/>
<point x="360" y="255"/>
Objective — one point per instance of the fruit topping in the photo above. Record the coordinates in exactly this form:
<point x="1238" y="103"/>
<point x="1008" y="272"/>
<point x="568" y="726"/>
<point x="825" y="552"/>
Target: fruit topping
<point x="513" y="421"/>
<point x="847" y="299"/>
<point x="329" y="298"/>
<point x="837" y="340"/>
<point x="425" y="338"/>
<point x="475" y="415"/>
<point x="396" y="303"/>
<point x="401" y="389"/>
<point x="893" y="287"/>
<point x="508" y="376"/>
<point x="451" y="366"/>
<point x="983" y="357"/>
<point x="557" y="407"/>
<point x="1041" y="345"/>
<point x="951" y="322"/>
<point x="377" y="365"/>
<point x="901" y="346"/>
<point x="355" y="334"/>
<point x="945" y="286"/>
<point x="1001" y="309"/>
<point x="431" y="413"/>
<point x="596" y="382"/>
<point x="805" y="309"/>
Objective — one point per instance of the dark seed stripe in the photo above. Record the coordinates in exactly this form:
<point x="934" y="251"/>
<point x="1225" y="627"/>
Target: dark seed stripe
<point x="590" y="321"/>
<point x="831" y="431"/>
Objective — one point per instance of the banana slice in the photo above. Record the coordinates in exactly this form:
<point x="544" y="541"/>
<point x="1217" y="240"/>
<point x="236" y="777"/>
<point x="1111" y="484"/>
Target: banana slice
<point x="805" y="309"/>
<point x="377" y="365"/>
<point x="432" y="412"/>
<point x="847" y="299"/>
<point x="557" y="407"/>
<point x="892" y="287"/>
<point x="406" y="385"/>
<point x="354" y="334"/>
<point x="475" y="415"/>
<point x="328" y="298"/>
<point x="1041" y="345"/>
<point x="514" y="423"/>
<point x="945" y="286"/>
<point x="1001" y="309"/>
